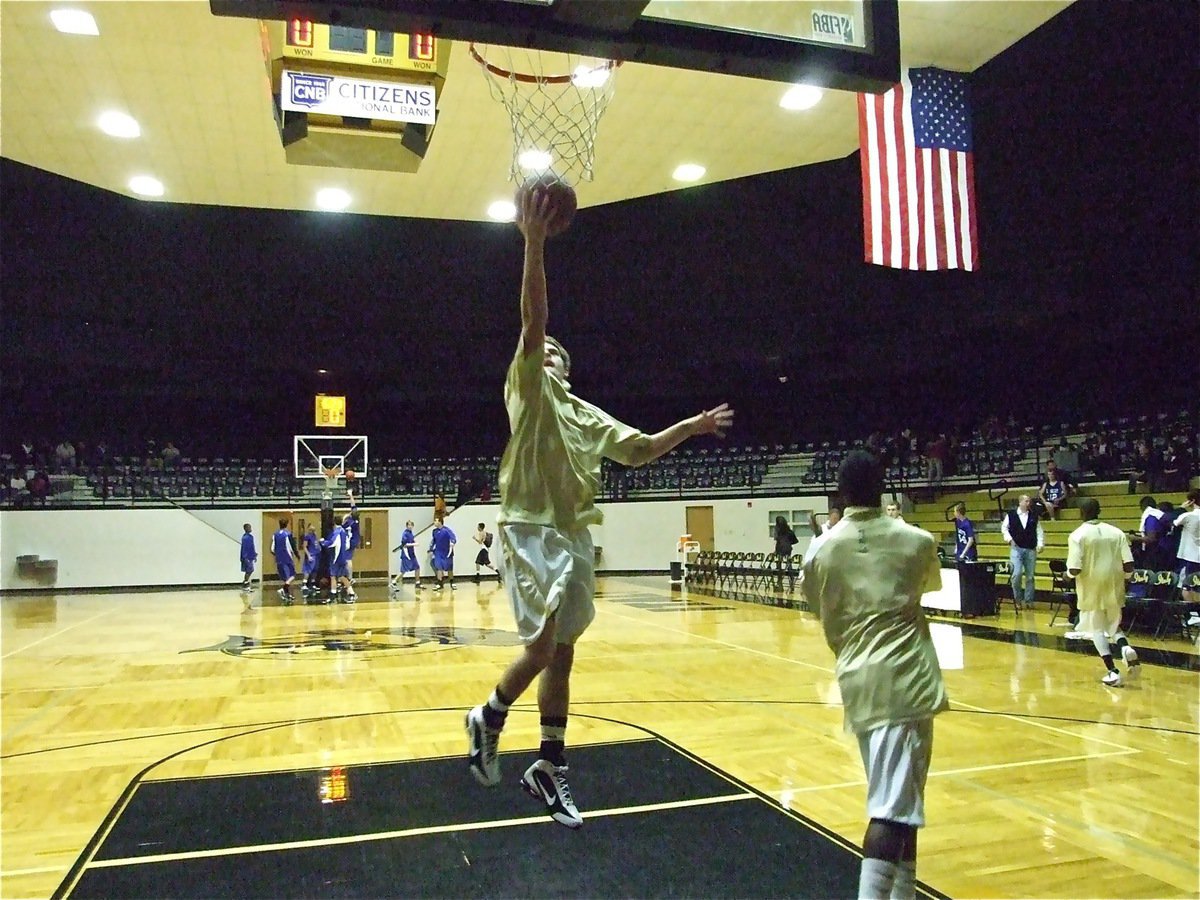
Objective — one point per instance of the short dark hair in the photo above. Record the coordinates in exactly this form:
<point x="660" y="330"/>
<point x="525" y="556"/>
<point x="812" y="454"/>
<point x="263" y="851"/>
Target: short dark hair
<point x="860" y="479"/>
<point x="1089" y="508"/>
<point x="246" y="527"/>
<point x="481" y="525"/>
<point x="283" y="523"/>
<point x="562" y="351"/>
<point x="1147" y="502"/>
<point x="960" y="508"/>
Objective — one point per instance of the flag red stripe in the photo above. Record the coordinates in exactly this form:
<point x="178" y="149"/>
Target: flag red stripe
<point x="864" y="157"/>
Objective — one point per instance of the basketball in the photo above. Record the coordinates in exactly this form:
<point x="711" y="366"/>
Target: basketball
<point x="560" y="198"/>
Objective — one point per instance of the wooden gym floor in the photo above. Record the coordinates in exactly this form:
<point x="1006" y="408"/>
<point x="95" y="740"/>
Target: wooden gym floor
<point x="1044" y="783"/>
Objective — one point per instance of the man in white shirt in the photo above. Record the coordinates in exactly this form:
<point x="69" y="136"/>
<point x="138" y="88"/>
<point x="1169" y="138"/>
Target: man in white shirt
<point x="1099" y="559"/>
<point x="1023" y="532"/>
<point x="865" y="578"/>
<point x="1188" y="556"/>
<point x="893" y="512"/>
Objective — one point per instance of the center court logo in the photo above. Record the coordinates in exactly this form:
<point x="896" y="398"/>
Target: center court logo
<point x="358" y="640"/>
<point x="309" y="90"/>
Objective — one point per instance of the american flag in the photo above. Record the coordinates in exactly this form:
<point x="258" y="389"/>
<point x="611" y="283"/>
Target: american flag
<point x="918" y="173"/>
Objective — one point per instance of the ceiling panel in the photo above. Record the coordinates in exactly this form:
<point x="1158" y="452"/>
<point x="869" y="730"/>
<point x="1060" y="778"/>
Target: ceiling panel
<point x="197" y="85"/>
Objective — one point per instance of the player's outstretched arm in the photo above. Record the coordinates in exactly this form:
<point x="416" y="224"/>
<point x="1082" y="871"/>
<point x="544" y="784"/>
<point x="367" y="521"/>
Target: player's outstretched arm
<point x="717" y="420"/>
<point x="533" y="217"/>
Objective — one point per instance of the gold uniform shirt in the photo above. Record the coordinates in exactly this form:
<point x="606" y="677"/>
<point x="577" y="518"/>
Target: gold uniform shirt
<point x="550" y="470"/>
<point x="866" y="576"/>
<point x="1099" y="551"/>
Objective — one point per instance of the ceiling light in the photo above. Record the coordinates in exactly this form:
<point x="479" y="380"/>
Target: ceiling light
<point x="502" y="211"/>
<point x="146" y="186"/>
<point x="332" y="199"/>
<point x="688" y="172"/>
<point x="117" y="124"/>
<point x="590" y="76"/>
<point x="74" y="21"/>
<point x="801" y="96"/>
<point x="534" y="160"/>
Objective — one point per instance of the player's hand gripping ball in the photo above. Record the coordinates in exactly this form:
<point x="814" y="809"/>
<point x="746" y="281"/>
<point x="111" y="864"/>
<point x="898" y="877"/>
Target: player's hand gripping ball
<point x="560" y="200"/>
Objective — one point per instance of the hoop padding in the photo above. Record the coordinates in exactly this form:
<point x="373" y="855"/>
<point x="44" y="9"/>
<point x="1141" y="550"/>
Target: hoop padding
<point x="552" y="110"/>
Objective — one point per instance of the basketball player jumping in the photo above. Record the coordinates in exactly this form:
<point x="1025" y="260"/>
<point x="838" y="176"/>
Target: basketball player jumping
<point x="549" y="475"/>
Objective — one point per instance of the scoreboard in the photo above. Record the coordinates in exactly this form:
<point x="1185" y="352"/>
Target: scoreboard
<point x="331" y="411"/>
<point x="361" y="47"/>
<point x="353" y="98"/>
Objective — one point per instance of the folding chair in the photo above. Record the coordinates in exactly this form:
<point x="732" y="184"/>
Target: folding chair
<point x="1175" y="610"/>
<point x="1137" y="595"/>
<point x="1062" y="589"/>
<point x="1004" y="568"/>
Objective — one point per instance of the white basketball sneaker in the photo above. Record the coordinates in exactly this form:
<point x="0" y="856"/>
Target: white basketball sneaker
<point x="483" y="745"/>
<point x="1112" y="679"/>
<point x="1134" y="672"/>
<point x="548" y="783"/>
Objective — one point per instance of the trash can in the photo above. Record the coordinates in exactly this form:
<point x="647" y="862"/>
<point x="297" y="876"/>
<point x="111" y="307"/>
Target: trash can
<point x="977" y="588"/>
<point x="676" y="572"/>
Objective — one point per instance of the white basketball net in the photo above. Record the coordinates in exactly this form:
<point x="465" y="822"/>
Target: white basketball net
<point x="554" y="103"/>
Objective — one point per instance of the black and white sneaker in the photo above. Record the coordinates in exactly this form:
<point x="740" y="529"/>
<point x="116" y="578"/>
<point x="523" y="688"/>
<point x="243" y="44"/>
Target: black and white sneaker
<point x="547" y="782"/>
<point x="483" y="748"/>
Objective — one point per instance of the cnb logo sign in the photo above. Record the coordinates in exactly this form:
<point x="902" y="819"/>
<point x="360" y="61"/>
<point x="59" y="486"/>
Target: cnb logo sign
<point x="308" y="90"/>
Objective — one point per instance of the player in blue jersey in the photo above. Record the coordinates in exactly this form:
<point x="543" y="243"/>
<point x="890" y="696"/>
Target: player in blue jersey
<point x="312" y="556"/>
<point x="339" y="573"/>
<point x="408" y="558"/>
<point x="353" y="534"/>
<point x="442" y="545"/>
<point x="248" y="556"/>
<point x="283" y="546"/>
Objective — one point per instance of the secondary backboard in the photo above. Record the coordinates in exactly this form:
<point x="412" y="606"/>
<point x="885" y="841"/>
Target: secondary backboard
<point x="844" y="44"/>
<point x="314" y="454"/>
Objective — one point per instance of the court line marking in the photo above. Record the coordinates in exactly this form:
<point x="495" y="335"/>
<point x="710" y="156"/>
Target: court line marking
<point x="829" y="671"/>
<point x="971" y="769"/>
<point x="12" y="873"/>
<point x="1036" y="724"/>
<point x="57" y="633"/>
<point x="409" y="832"/>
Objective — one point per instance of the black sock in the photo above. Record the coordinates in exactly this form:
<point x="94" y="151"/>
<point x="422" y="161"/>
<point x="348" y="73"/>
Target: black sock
<point x="1108" y="662"/>
<point x="554" y="731"/>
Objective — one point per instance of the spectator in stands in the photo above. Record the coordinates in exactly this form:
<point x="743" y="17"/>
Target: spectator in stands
<point x="965" y="548"/>
<point x="39" y="486"/>
<point x="27" y="456"/>
<point x="1100" y="457"/>
<point x="936" y="454"/>
<point x="64" y="456"/>
<point x="893" y="511"/>
<point x="1023" y="532"/>
<point x="1146" y="468"/>
<point x="1054" y="492"/>
<point x="16" y="488"/>
<point x="1066" y="458"/>
<point x="1174" y="473"/>
<point x="170" y="455"/>
<point x="100" y="455"/>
